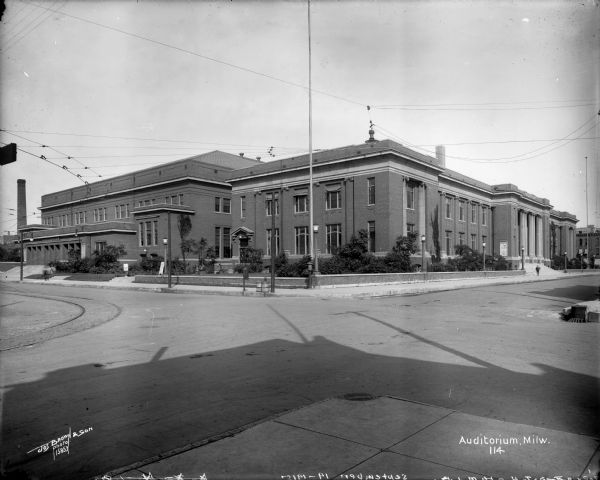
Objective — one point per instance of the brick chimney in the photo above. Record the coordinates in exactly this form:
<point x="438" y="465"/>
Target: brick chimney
<point x="440" y="154"/>
<point x="21" y="204"/>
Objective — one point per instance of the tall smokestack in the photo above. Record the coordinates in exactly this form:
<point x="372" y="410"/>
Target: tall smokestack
<point x="21" y="204"/>
<point x="440" y="154"/>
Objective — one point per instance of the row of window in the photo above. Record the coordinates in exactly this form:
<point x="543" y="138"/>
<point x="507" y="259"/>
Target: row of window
<point x="169" y="200"/>
<point x="148" y="233"/>
<point x="449" y="239"/>
<point x="333" y="239"/>
<point x="462" y="211"/>
<point x="333" y="201"/>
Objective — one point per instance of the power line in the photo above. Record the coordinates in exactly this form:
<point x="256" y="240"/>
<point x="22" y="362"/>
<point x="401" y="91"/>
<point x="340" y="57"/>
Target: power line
<point x="486" y="106"/>
<point x="68" y="157"/>
<point x="55" y="164"/>
<point x="165" y="140"/>
<point x="16" y="40"/>
<point x="199" y="55"/>
<point x="516" y="158"/>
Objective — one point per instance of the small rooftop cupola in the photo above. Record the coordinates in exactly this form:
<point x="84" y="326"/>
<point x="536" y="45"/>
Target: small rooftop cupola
<point x="371" y="134"/>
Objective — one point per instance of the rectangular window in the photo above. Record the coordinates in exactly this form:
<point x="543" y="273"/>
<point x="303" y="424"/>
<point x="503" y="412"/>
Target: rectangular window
<point x="484" y="215"/>
<point x="371" y="190"/>
<point x="148" y="232"/>
<point x="448" y="207"/>
<point x="461" y="211"/>
<point x="272" y="199"/>
<point x="371" y="230"/>
<point x="180" y="199"/>
<point x="100" y="246"/>
<point x="410" y="197"/>
<point x="301" y="204"/>
<point x="473" y="241"/>
<point x="301" y="234"/>
<point x="155" y="232"/>
<point x="334" y="200"/>
<point x="218" y="242"/>
<point x="173" y="199"/>
<point x="448" y="242"/>
<point x="410" y="227"/>
<point x="473" y="213"/>
<point x="268" y="249"/>
<point x="126" y="210"/>
<point x="243" y="207"/>
<point x="223" y="242"/>
<point x="140" y="233"/>
<point x="217" y="204"/>
<point x="226" y="242"/>
<point x="333" y="238"/>
<point x="226" y="205"/>
<point x="461" y="238"/>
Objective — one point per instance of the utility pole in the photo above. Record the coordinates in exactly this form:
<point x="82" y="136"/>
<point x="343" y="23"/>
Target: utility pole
<point x="310" y="151"/>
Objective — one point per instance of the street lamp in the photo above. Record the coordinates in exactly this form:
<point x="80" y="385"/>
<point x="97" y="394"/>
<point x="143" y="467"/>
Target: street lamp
<point x="165" y="242"/>
<point x="423" y="253"/>
<point x="565" y="262"/>
<point x="316" y="232"/>
<point x="483" y="245"/>
<point x="522" y="258"/>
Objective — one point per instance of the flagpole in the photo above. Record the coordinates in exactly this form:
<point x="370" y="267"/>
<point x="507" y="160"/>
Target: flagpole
<point x="310" y="148"/>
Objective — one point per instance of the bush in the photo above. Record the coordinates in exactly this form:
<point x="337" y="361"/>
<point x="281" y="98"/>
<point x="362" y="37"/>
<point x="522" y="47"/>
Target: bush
<point x="253" y="258"/>
<point x="332" y="266"/>
<point x="10" y="253"/>
<point x="294" y="269"/>
<point x="398" y="260"/>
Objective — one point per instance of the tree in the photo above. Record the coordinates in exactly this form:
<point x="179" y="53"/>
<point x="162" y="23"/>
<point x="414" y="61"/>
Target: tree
<point x="200" y="247"/>
<point x="184" y="225"/>
<point x="398" y="260"/>
<point x="435" y="231"/>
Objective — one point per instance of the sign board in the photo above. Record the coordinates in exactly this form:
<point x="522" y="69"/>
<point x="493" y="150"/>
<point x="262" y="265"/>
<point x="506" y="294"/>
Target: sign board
<point x="504" y="249"/>
<point x="125" y="267"/>
<point x="161" y="270"/>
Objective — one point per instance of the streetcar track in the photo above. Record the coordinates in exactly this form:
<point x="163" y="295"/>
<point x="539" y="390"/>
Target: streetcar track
<point x="56" y="330"/>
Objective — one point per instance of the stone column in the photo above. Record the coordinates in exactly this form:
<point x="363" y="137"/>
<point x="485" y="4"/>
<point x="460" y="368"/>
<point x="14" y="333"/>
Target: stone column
<point x="531" y="234"/>
<point x="523" y="239"/>
<point x="540" y="237"/>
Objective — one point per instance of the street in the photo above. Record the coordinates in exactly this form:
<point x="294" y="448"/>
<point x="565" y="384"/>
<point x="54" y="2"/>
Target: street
<point x="137" y="374"/>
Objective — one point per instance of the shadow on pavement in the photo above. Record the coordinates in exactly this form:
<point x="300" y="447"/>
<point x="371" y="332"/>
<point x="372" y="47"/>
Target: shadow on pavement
<point x="142" y="410"/>
<point x="577" y="292"/>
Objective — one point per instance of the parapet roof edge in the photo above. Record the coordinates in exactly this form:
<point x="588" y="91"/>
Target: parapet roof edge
<point x="195" y="158"/>
<point x="322" y="157"/>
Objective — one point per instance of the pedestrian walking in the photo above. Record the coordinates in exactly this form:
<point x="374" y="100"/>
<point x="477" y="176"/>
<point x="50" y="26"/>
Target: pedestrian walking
<point x="537" y="270"/>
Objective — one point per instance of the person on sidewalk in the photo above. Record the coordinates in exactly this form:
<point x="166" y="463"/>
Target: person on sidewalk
<point x="537" y="270"/>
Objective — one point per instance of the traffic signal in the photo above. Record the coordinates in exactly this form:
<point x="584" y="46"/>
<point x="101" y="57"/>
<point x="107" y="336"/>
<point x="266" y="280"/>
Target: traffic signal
<point x="8" y="153"/>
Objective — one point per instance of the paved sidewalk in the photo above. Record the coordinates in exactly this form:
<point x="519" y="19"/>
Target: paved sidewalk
<point x="339" y="438"/>
<point x="362" y="291"/>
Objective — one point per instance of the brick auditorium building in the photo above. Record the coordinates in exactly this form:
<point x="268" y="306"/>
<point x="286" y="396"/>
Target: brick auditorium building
<point x="380" y="186"/>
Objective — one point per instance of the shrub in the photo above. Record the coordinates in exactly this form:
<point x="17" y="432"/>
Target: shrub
<point x="294" y="269"/>
<point x="398" y="260"/>
<point x="10" y="253"/>
<point x="253" y="258"/>
<point x="332" y="266"/>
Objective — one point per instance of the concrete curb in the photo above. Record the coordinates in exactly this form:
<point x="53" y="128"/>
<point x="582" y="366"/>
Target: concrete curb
<point x="359" y="292"/>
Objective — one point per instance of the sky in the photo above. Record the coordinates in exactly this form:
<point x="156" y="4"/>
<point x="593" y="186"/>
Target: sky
<point x="98" y="89"/>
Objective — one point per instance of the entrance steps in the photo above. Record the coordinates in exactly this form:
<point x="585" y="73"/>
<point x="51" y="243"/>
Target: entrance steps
<point x="544" y="270"/>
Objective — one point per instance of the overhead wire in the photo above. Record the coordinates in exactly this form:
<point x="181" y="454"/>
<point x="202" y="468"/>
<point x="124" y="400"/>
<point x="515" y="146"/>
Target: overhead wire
<point x="14" y="40"/>
<point x="68" y="157"/>
<point x="199" y="55"/>
<point x="513" y="159"/>
<point x="63" y="167"/>
<point x="484" y="106"/>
